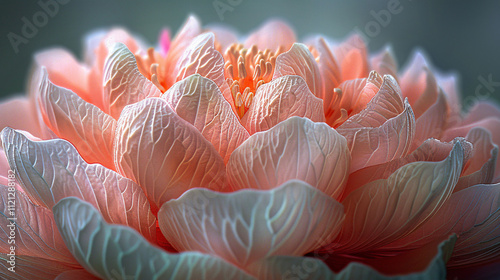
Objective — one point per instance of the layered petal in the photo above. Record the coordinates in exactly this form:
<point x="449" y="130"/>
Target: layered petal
<point x="384" y="62"/>
<point x="433" y="122"/>
<point x="201" y="57"/>
<point x="70" y="117"/>
<point x="279" y="100"/>
<point x="294" y="149"/>
<point x="18" y="113"/>
<point x="248" y="225"/>
<point x="383" y="131"/>
<point x="122" y="81"/>
<point x="111" y="251"/>
<point x="183" y="38"/>
<point x="480" y="168"/>
<point x="30" y="228"/>
<point x="165" y="154"/>
<point x="350" y="98"/>
<point x="352" y="58"/>
<point x="65" y="71"/>
<point x="199" y="101"/>
<point x="472" y="214"/>
<point x="289" y="267"/>
<point x="299" y="61"/>
<point x="272" y="35"/>
<point x="52" y="170"/>
<point x="385" y="210"/>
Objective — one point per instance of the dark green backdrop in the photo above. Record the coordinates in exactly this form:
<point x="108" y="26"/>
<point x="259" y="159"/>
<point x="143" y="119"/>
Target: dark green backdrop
<point x="461" y="36"/>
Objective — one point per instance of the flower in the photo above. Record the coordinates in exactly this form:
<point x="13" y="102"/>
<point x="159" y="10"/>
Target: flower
<point x="211" y="157"/>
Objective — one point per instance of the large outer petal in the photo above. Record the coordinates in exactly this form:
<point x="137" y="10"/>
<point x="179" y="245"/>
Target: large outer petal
<point x="111" y="251"/>
<point x="475" y="210"/>
<point x="248" y="225"/>
<point x="272" y="35"/>
<point x="289" y="267"/>
<point x="385" y="210"/>
<point x="34" y="234"/>
<point x="122" y="81"/>
<point x="199" y="101"/>
<point x="279" y="100"/>
<point x="299" y="61"/>
<point x="71" y="118"/>
<point x="294" y="149"/>
<point x="165" y="154"/>
<point x="52" y="170"/>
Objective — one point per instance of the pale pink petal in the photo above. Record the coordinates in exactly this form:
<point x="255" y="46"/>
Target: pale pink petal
<point x="182" y="40"/>
<point x="199" y="101"/>
<point x="385" y="105"/>
<point x="419" y="85"/>
<point x="19" y="113"/>
<point x="35" y="233"/>
<point x="431" y="150"/>
<point x="492" y="124"/>
<point x="449" y="84"/>
<point x="299" y="61"/>
<point x="328" y="69"/>
<point x="272" y="35"/>
<point x="382" y="132"/>
<point x="433" y="122"/>
<point x="294" y="149"/>
<point x="279" y="100"/>
<point x="70" y="117"/>
<point x="384" y="62"/>
<point x="350" y="98"/>
<point x="123" y="83"/>
<point x="201" y="57"/>
<point x="65" y="71"/>
<point x="225" y="36"/>
<point x="480" y="169"/>
<point x="481" y="110"/>
<point x="249" y="225"/>
<point x="352" y="57"/>
<point x="52" y="170"/>
<point x="29" y="268"/>
<point x="165" y="154"/>
<point x="102" y="52"/>
<point x="471" y="210"/>
<point x="385" y="210"/>
<point x="117" y="252"/>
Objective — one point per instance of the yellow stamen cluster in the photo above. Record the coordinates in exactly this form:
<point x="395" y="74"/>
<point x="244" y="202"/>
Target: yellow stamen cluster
<point x="245" y="71"/>
<point x="148" y="65"/>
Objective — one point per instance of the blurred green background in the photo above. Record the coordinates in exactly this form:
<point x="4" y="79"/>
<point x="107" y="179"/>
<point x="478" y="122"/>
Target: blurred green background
<point x="459" y="36"/>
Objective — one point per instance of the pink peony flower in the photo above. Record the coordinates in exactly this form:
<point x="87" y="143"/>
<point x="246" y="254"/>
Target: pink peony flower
<point x="213" y="157"/>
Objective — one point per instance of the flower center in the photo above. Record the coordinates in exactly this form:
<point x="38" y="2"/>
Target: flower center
<point x="246" y="70"/>
<point x="148" y="66"/>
